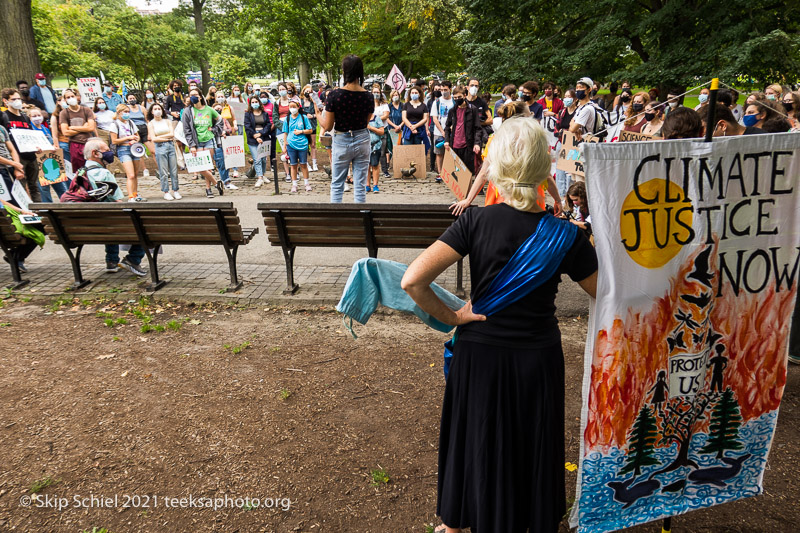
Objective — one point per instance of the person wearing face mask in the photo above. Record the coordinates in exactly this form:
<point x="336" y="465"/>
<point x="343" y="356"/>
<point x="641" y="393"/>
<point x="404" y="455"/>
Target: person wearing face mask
<point x="395" y="120"/>
<point x="125" y="134"/>
<point x="211" y="96"/>
<point x="634" y="116"/>
<point x="27" y="99"/>
<point x="230" y="118"/>
<point x="44" y="93"/>
<point x="311" y="109"/>
<point x="219" y="154"/>
<point x="791" y="106"/>
<point x="727" y="126"/>
<point x="586" y="115"/>
<point x="159" y="130"/>
<point x="652" y="114"/>
<point x="570" y="105"/>
<point x="77" y="122"/>
<point x="673" y="101"/>
<point x="296" y="128"/>
<point x="15" y="118"/>
<point x="63" y="140"/>
<point x="463" y="133"/>
<point x="773" y="92"/>
<point x="271" y="109"/>
<point x="203" y="129"/>
<point x="415" y="119"/>
<point x="530" y="90"/>
<point x="113" y="99"/>
<point x="283" y="112"/>
<point x="137" y="113"/>
<point x="258" y="126"/>
<point x="624" y="100"/>
<point x="551" y="104"/>
<point x="703" y="99"/>
<point x="173" y="106"/>
<point x="626" y="87"/>
<point x="509" y="94"/>
<point x="149" y="100"/>
<point x="756" y="114"/>
<point x="439" y="113"/>
<point x="382" y="112"/>
<point x="38" y="123"/>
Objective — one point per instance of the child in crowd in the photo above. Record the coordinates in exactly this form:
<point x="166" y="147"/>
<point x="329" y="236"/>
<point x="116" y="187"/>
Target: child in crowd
<point x="295" y="129"/>
<point x="376" y="133"/>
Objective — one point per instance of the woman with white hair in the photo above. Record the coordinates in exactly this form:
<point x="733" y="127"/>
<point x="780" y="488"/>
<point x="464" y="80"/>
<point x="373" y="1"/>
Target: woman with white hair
<point x="501" y="443"/>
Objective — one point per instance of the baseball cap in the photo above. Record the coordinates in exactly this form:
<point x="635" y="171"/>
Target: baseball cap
<point x="256" y="87"/>
<point x="586" y="80"/>
<point x="40" y="76"/>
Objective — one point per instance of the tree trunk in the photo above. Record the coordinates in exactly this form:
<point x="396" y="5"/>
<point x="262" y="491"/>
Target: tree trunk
<point x="304" y="73"/>
<point x="18" y="54"/>
<point x="199" y="26"/>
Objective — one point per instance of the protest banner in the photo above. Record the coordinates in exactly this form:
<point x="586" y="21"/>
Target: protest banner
<point x="406" y="156"/>
<point x="30" y="140"/>
<point x="549" y="124"/>
<point x="199" y="162"/>
<point x="262" y="151"/>
<point x="89" y="89"/>
<point x="233" y="151"/>
<point x="396" y="80"/>
<point x="570" y="156"/>
<point x="687" y="346"/>
<point x="456" y="175"/>
<point x="625" y="136"/>
<point x="20" y="195"/>
<point x="238" y="109"/>
<point x="51" y="167"/>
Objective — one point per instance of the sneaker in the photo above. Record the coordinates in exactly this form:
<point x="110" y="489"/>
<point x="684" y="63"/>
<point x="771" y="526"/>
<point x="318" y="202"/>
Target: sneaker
<point x="135" y="269"/>
<point x="146" y="173"/>
<point x="376" y="189"/>
<point x="259" y="183"/>
<point x="168" y="196"/>
<point x="137" y="198"/>
<point x="22" y="267"/>
<point x="112" y="268"/>
<point x="308" y="188"/>
<point x="231" y="186"/>
<point x="387" y="175"/>
<point x="794" y="359"/>
<point x="438" y="179"/>
<point x="176" y="195"/>
<point x="209" y="194"/>
<point x="220" y="187"/>
<point x="346" y="187"/>
<point x="294" y="189"/>
<point x="368" y="189"/>
<point x="288" y="177"/>
<point x="235" y="173"/>
<point x="314" y="167"/>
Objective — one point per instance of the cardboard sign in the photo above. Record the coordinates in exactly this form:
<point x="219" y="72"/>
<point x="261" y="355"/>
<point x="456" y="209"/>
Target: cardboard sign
<point x="20" y="195"/>
<point x="5" y="194"/>
<point x="51" y="167"/>
<point x="570" y="157"/>
<point x="625" y="136"/>
<point x="456" y="175"/>
<point x="238" y="109"/>
<point x="89" y="89"/>
<point x="233" y="150"/>
<point x="405" y="154"/>
<point x="262" y="151"/>
<point x="200" y="162"/>
<point x="30" y="140"/>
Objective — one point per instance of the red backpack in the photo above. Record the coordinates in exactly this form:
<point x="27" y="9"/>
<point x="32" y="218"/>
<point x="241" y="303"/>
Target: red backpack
<point x="79" y="188"/>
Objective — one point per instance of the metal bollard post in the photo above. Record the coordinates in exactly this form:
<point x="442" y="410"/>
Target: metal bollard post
<point x="274" y="162"/>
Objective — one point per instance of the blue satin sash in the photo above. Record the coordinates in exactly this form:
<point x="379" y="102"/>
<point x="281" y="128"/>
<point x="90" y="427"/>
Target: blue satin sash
<point x="535" y="262"/>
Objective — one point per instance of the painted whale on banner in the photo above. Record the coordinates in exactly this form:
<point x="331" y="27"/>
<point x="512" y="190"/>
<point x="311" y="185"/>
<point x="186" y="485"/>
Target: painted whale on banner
<point x="716" y="475"/>
<point x="627" y="494"/>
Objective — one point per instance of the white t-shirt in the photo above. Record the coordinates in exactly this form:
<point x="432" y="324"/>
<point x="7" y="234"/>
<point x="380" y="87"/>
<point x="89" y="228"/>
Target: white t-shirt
<point x="124" y="129"/>
<point x="440" y="109"/>
<point x="380" y="110"/>
<point x="105" y="120"/>
<point x="585" y="116"/>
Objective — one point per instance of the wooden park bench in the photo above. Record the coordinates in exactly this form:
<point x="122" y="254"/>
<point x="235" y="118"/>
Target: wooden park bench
<point x="372" y="226"/>
<point x="151" y="225"/>
<point x="10" y="242"/>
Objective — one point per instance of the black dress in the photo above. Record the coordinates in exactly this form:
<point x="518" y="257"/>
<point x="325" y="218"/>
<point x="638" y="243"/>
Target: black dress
<point x="501" y="445"/>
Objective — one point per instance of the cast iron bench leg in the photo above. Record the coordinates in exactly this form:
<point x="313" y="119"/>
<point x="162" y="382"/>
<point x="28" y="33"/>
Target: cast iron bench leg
<point x="288" y="256"/>
<point x="75" y="260"/>
<point x="236" y="283"/>
<point x="152" y="260"/>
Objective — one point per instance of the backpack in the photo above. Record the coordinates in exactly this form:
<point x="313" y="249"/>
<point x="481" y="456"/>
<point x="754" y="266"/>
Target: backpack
<point x="79" y="189"/>
<point x="600" y="130"/>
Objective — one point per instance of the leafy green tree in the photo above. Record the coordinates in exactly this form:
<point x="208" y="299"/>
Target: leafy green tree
<point x="724" y="426"/>
<point x="228" y="70"/>
<point x="641" y="443"/>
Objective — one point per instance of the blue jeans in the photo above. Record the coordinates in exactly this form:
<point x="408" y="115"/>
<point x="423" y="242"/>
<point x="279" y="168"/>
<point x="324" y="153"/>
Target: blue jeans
<point x="167" y="161"/>
<point x="65" y="147"/>
<point x="219" y="160"/>
<point x="60" y="189"/>
<point x="347" y="148"/>
<point x="135" y="254"/>
<point x="563" y="181"/>
<point x="260" y="165"/>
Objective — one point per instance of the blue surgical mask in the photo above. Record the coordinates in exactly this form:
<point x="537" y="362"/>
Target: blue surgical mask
<point x="237" y="93"/>
<point x="101" y="105"/>
<point x="41" y="82"/>
<point x="263" y="100"/>
<point x="255" y="105"/>
<point x="414" y="96"/>
<point x="703" y="98"/>
<point x="221" y="99"/>
<point x="750" y="120"/>
<point x="568" y="101"/>
<point x="126" y="116"/>
<point x="282" y="93"/>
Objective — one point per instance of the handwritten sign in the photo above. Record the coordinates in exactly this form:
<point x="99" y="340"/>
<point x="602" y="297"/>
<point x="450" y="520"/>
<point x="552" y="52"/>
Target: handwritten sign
<point x="30" y="140"/>
<point x="199" y="162"/>
<point x="456" y="175"/>
<point x="51" y="167"/>
<point x="408" y="156"/>
<point x="625" y="136"/>
<point x="5" y="194"/>
<point x="89" y="89"/>
<point x="238" y="109"/>
<point x="233" y="151"/>
<point x="262" y="151"/>
<point x="20" y="195"/>
<point x="570" y="157"/>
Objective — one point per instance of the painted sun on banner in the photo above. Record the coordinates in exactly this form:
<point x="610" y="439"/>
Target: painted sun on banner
<point x="699" y="247"/>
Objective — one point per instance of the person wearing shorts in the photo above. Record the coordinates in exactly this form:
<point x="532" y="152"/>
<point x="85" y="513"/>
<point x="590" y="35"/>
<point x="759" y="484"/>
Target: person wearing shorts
<point x="295" y="128"/>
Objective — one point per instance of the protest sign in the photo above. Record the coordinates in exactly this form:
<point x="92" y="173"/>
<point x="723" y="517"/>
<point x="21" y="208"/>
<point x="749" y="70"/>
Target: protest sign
<point x="5" y="194"/>
<point x="179" y="134"/>
<point x="396" y="80"/>
<point x="262" y="151"/>
<point x="570" y="156"/>
<point x="199" y="162"/>
<point x="625" y="136"/>
<point x="30" y="140"/>
<point x="89" y="89"/>
<point x="687" y="346"/>
<point x="20" y="195"/>
<point x="233" y="151"/>
<point x="238" y="109"/>
<point x="456" y="175"/>
<point x="51" y="167"/>
<point x="406" y="156"/>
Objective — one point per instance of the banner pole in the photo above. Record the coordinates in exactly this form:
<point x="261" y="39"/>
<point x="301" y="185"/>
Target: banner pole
<point x="712" y="104"/>
<point x="667" y="527"/>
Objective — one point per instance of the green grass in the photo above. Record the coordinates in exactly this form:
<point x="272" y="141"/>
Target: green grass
<point x="37" y="486"/>
<point x="236" y="350"/>
<point x="285" y="394"/>
<point x="4" y="324"/>
<point x="379" y="476"/>
<point x="59" y="302"/>
<point x="175" y="325"/>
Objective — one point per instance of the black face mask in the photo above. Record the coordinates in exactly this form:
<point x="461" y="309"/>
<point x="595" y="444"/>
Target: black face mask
<point x="594" y="92"/>
<point x="177" y="88"/>
<point x="788" y="106"/>
<point x="625" y="98"/>
<point x="649" y="116"/>
<point x="458" y="101"/>
<point x="25" y="92"/>
<point x="526" y="98"/>
<point x="580" y="94"/>
<point x="637" y="107"/>
<point x="437" y="94"/>
<point x="108" y="157"/>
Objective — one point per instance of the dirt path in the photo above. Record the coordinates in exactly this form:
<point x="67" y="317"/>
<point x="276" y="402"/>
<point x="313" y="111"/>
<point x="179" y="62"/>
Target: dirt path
<point x="301" y="411"/>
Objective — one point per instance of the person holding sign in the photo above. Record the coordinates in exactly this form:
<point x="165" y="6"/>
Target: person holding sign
<point x="14" y="118"/>
<point x="258" y="126"/>
<point x="295" y="129"/>
<point x="123" y="136"/>
<point x="37" y="123"/>
<point x="159" y="130"/>
<point x="501" y="442"/>
<point x="201" y="127"/>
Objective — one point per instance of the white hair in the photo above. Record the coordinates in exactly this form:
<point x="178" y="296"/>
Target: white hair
<point x="94" y="143"/>
<point x="519" y="161"/>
